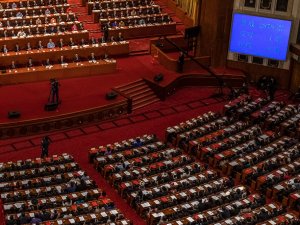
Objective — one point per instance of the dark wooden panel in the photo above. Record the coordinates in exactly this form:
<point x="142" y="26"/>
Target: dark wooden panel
<point x="255" y="71"/>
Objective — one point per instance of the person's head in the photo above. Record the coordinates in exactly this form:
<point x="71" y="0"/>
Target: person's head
<point x="76" y="55"/>
<point x="92" y="54"/>
<point x="13" y="62"/>
<point x="50" y="40"/>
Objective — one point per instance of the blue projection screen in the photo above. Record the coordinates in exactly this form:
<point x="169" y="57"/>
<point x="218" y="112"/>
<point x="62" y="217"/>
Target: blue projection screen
<point x="260" y="36"/>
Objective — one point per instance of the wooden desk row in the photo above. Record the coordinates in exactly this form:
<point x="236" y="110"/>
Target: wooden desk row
<point x="7" y="4"/>
<point x="283" y="186"/>
<point x="189" y="194"/>
<point x="206" y="153"/>
<point x="48" y="202"/>
<point x="210" y="138"/>
<point x="39" y="181"/>
<point x="278" y="175"/>
<point x="213" y="215"/>
<point x="35" y="163"/>
<point x="41" y="73"/>
<point x="287" y="218"/>
<point x="93" y="218"/>
<point x="237" y="103"/>
<point x="143" y="160"/>
<point x="148" y="170"/>
<point x="39" y="29"/>
<point x="170" y="213"/>
<point x="120" y="146"/>
<point x="281" y="116"/>
<point x="93" y="7"/>
<point x="40" y="56"/>
<point x="172" y="132"/>
<point x="191" y="181"/>
<point x="152" y="180"/>
<point x="36" y="10"/>
<point x="263" y="154"/>
<point x="144" y="31"/>
<point x="101" y="162"/>
<point x="266" y="111"/>
<point x="31" y="20"/>
<point x="184" y="138"/>
<point x="109" y="4"/>
<point x="37" y="172"/>
<point x="10" y="42"/>
<point x="222" y="159"/>
<point x="270" y="148"/>
<point x="160" y="18"/>
<point x="81" y="207"/>
<point x="271" y="209"/>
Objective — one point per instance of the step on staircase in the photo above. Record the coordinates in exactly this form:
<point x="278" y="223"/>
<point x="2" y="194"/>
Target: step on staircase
<point x="140" y="92"/>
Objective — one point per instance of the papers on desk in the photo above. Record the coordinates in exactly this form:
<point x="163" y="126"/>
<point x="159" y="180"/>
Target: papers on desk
<point x="145" y="205"/>
<point x="103" y="214"/>
<point x="81" y="219"/>
<point x="93" y="216"/>
<point x="59" y="222"/>
<point x="114" y="212"/>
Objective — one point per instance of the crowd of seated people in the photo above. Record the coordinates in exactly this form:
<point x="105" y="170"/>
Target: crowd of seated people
<point x="166" y="186"/>
<point x="53" y="191"/>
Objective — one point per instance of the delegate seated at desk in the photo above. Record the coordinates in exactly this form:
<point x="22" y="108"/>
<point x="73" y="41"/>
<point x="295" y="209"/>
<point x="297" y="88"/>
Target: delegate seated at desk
<point x="40" y="45"/>
<point x="92" y="58"/>
<point x="48" y="63"/>
<point x="50" y="44"/>
<point x="71" y="42"/>
<point x="4" y="49"/>
<point x="30" y="63"/>
<point x="61" y="43"/>
<point x="76" y="58"/>
<point x="28" y="48"/>
<point x="13" y="65"/>
<point x="17" y="48"/>
<point x="21" y="33"/>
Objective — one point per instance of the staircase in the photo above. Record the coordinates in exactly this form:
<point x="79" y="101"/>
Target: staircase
<point x="87" y="20"/>
<point x="140" y="93"/>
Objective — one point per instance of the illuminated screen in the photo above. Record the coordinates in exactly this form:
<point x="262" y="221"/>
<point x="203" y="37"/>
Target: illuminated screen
<point x="260" y="36"/>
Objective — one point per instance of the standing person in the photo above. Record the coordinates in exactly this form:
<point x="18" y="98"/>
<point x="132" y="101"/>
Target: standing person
<point x="45" y="146"/>
<point x="105" y="32"/>
<point x="180" y="63"/>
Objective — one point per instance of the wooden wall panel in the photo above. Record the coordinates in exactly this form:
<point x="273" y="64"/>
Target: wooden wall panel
<point x="295" y="76"/>
<point x="215" y="22"/>
<point x="255" y="71"/>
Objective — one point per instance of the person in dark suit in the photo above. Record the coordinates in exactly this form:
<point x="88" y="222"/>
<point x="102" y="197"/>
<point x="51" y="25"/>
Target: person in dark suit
<point x="13" y="65"/>
<point x="180" y="63"/>
<point x="61" y="43"/>
<point x="92" y="57"/>
<point x="71" y="42"/>
<point x="17" y="48"/>
<point x="30" y="63"/>
<point x="45" y="146"/>
<point x="105" y="32"/>
<point x="76" y="58"/>
<point x="48" y="63"/>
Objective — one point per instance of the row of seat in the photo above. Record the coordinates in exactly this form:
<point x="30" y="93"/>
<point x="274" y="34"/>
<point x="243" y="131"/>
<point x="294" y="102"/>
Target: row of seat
<point x="54" y="191"/>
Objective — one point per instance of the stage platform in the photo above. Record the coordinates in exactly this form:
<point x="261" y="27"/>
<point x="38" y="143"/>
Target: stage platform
<point x="83" y="99"/>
